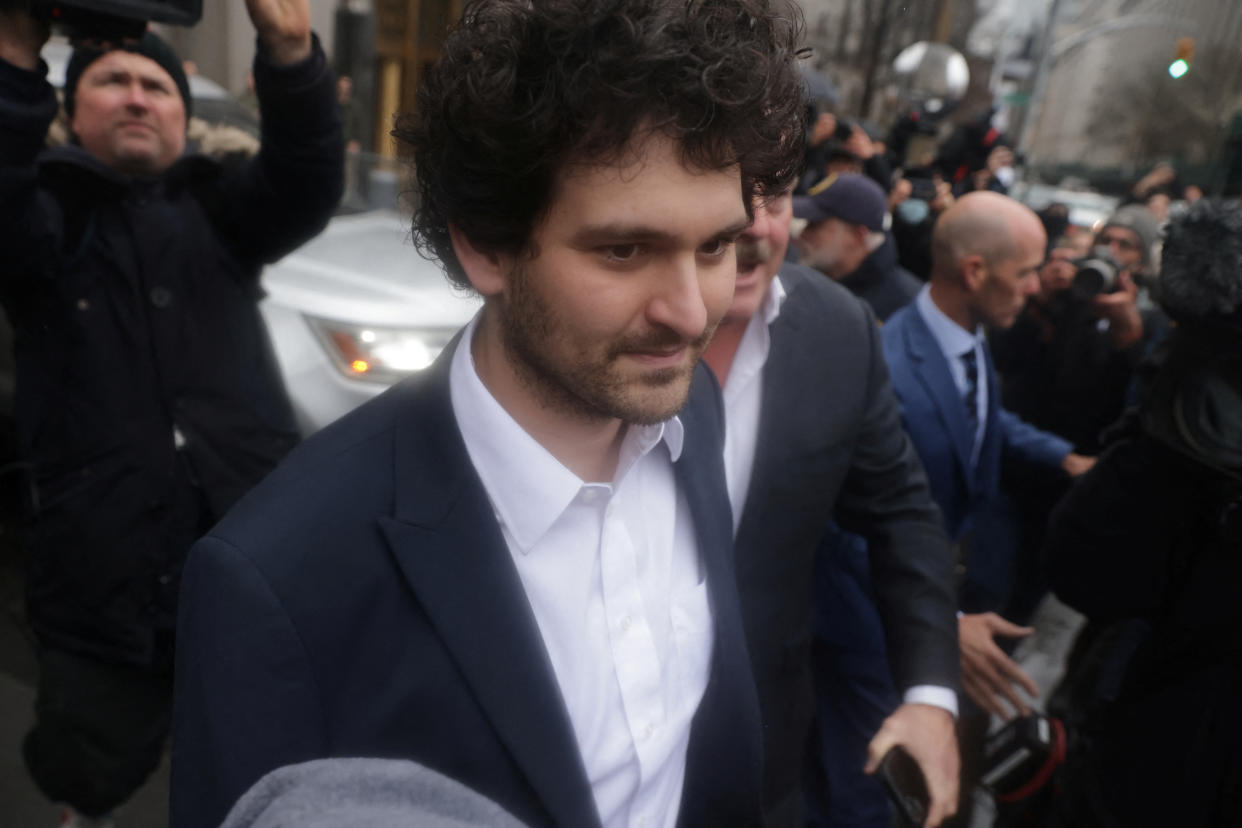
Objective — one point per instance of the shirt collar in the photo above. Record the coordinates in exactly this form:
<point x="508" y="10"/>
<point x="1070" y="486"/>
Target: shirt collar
<point x="953" y="339"/>
<point x="528" y="488"/>
<point x="772" y="302"/>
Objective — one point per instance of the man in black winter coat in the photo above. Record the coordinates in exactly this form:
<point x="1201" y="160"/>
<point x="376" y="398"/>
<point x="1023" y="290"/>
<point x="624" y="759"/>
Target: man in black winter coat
<point x="1148" y="545"/>
<point x="148" y="396"/>
<point x="845" y="240"/>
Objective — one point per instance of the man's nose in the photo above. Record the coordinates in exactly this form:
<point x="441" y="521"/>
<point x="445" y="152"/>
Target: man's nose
<point x="136" y="96"/>
<point x="678" y="302"/>
<point x="760" y="225"/>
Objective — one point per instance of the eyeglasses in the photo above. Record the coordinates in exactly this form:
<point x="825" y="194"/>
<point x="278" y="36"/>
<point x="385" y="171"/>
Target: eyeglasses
<point x="1124" y="242"/>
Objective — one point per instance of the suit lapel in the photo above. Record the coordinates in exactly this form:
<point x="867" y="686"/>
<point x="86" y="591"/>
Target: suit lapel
<point x="448" y="545"/>
<point x="724" y="759"/>
<point x="934" y="375"/>
<point x="782" y="388"/>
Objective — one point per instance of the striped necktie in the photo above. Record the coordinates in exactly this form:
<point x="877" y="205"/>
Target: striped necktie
<point x="971" y="395"/>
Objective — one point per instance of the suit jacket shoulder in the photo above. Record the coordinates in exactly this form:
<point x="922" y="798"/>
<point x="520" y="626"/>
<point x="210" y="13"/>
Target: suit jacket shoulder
<point x="362" y="602"/>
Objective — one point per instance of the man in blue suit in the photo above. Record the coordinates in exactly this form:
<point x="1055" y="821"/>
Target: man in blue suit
<point x="515" y="568"/>
<point x="986" y="252"/>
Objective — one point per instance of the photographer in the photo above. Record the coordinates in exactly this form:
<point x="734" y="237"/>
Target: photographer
<point x="1068" y="361"/>
<point x="148" y="397"/>
<point x="1067" y="366"/>
<point x="1151" y="541"/>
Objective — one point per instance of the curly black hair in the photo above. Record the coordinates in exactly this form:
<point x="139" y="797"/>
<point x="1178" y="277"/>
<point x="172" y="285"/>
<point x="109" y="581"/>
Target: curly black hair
<point x="1201" y="265"/>
<point x="525" y="87"/>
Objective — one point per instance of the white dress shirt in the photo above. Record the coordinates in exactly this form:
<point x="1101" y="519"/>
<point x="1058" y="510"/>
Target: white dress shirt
<point x="743" y="397"/>
<point x="955" y="341"/>
<point x="612" y="574"/>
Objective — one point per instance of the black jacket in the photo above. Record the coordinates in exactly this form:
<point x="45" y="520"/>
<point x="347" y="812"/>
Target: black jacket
<point x="134" y="307"/>
<point x="1152" y="537"/>
<point x="831" y="445"/>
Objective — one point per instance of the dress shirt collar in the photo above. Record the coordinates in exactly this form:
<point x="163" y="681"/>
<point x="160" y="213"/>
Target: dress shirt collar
<point x="527" y="486"/>
<point x="953" y="339"/>
<point x="752" y="350"/>
<point x="772" y="302"/>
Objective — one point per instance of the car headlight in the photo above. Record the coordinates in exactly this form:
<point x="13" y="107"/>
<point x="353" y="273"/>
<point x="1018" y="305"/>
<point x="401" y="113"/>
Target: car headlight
<point x="366" y="352"/>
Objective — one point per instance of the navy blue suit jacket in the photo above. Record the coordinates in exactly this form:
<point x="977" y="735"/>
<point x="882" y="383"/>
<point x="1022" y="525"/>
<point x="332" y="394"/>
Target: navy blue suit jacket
<point x="934" y="415"/>
<point x="362" y="602"/>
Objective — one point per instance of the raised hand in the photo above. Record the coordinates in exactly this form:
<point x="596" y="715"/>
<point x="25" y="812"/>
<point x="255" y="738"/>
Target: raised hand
<point x="21" y="37"/>
<point x="283" y="27"/>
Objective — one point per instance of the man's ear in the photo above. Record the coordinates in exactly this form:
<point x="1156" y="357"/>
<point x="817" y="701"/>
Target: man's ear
<point x="487" y="271"/>
<point x="974" y="272"/>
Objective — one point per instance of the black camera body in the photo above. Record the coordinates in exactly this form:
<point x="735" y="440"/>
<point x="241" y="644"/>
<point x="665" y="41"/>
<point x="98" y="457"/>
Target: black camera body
<point x="844" y="130"/>
<point x="1097" y="273"/>
<point x="110" y="19"/>
<point x="1020" y="758"/>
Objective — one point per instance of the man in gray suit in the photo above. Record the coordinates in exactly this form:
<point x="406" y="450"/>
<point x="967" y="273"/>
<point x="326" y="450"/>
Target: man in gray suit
<point x="813" y="430"/>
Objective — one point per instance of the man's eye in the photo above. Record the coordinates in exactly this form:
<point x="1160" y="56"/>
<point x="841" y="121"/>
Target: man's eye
<point x="621" y="252"/>
<point x="716" y="247"/>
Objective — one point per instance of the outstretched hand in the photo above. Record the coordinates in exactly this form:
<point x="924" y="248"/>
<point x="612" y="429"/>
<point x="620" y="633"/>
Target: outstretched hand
<point x="988" y="675"/>
<point x="927" y="734"/>
<point x="283" y="27"/>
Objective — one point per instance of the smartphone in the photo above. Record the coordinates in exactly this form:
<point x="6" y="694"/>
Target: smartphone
<point x="904" y="782"/>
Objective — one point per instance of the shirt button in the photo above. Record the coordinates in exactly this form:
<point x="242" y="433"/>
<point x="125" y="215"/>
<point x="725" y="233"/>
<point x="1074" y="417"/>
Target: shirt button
<point x="626" y="623"/>
<point x="83" y="305"/>
<point x="647" y="731"/>
<point x="161" y="296"/>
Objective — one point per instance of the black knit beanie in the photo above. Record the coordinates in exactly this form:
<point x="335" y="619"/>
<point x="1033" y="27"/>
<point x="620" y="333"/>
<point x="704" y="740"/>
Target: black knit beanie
<point x="150" y="46"/>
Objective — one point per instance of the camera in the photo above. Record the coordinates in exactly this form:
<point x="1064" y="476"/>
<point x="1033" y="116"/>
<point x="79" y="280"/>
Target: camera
<point x="1097" y="273"/>
<point x="109" y="19"/>
<point x="844" y="130"/>
<point x="1020" y="758"/>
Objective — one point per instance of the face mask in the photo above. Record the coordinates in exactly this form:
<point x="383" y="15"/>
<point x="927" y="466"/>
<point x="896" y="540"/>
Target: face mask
<point x="913" y="210"/>
<point x="1005" y="175"/>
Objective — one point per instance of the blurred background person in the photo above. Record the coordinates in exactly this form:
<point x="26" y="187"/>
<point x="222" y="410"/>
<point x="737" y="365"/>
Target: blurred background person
<point x="1149" y="547"/>
<point x="147" y="396"/>
<point x="844" y="238"/>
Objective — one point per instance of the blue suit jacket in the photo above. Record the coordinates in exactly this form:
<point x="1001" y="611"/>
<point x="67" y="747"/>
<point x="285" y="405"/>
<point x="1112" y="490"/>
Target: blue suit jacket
<point x="935" y="418"/>
<point x="362" y="602"/>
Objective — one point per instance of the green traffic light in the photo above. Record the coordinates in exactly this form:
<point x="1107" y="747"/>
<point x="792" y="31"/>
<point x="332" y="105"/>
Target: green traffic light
<point x="1178" y="68"/>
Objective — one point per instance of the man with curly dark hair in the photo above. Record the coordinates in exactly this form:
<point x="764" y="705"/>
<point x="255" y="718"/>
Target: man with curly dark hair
<point x="515" y="567"/>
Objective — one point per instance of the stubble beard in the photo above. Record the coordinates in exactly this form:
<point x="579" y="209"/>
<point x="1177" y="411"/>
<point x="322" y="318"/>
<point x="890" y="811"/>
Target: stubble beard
<point x="591" y="387"/>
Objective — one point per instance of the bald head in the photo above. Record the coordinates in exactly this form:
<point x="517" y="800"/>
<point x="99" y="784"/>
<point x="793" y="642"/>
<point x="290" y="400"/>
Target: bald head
<point x="986" y="251"/>
<point x="983" y="224"/>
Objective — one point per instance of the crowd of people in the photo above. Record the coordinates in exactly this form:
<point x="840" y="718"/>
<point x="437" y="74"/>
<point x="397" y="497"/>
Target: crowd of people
<point x="765" y="445"/>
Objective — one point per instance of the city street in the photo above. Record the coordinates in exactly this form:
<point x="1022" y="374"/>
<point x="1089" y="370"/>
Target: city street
<point x="21" y="804"/>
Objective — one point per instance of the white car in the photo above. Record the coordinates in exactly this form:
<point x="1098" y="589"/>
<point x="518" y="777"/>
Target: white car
<point x="1087" y="209"/>
<point x="354" y="310"/>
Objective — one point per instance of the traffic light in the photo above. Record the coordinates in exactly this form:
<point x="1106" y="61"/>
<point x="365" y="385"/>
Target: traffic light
<point x="1182" y="56"/>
